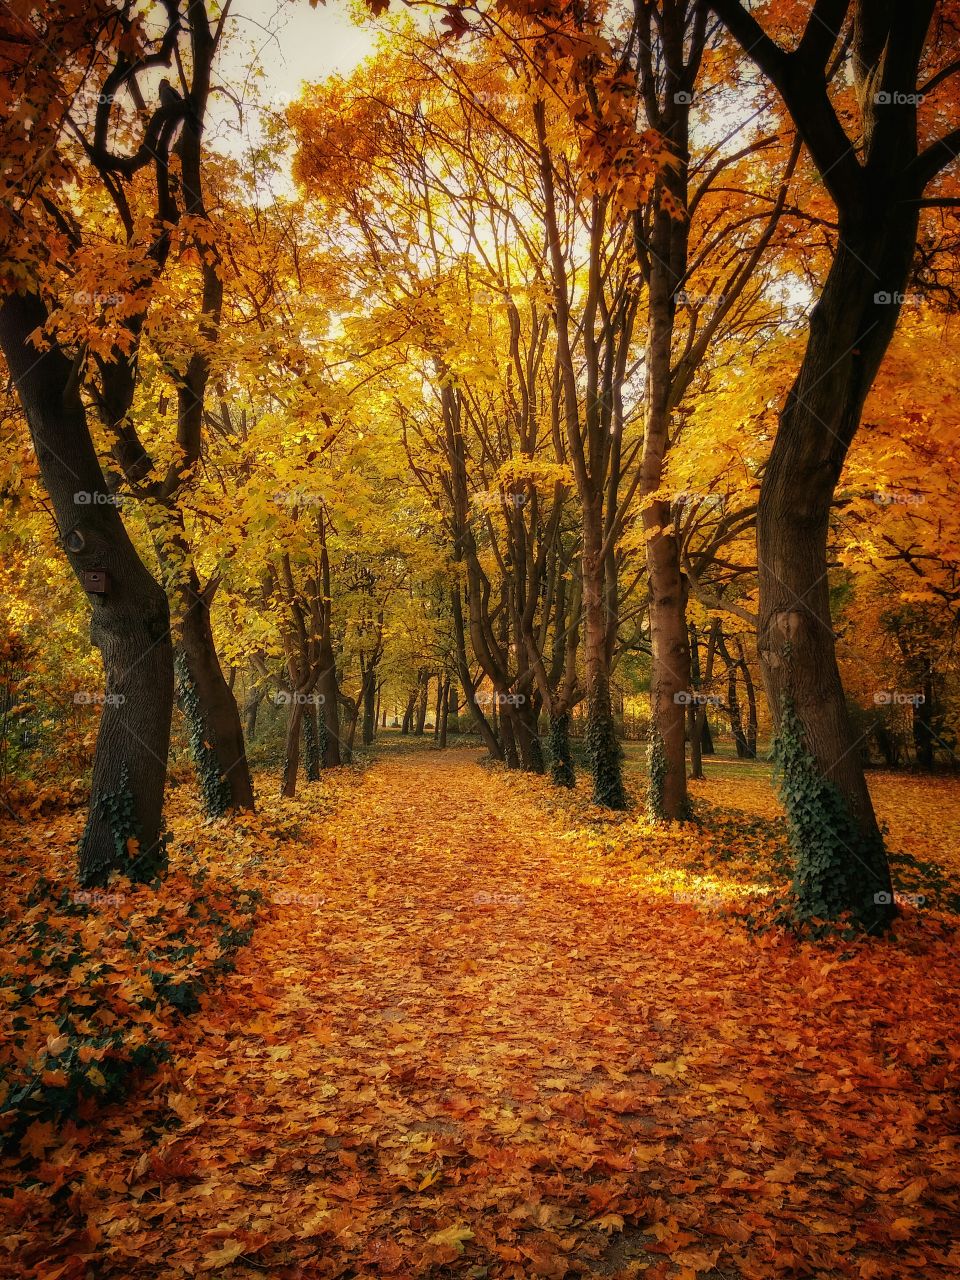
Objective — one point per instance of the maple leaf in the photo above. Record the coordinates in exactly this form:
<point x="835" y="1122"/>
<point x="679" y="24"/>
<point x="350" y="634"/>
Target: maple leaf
<point x="454" y="1237"/>
<point x="228" y="1252"/>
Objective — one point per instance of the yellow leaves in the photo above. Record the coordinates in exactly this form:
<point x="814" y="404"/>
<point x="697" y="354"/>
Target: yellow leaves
<point x="228" y="1252"/>
<point x="430" y="1178"/>
<point x="670" y="1070"/>
<point x="453" y="1237"/>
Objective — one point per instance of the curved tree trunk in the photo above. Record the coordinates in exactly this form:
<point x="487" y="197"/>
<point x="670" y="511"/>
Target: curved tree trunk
<point x="841" y="862"/>
<point x="130" y="621"/>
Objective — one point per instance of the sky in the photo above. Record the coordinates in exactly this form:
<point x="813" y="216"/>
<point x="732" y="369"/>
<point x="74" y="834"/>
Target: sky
<point x="291" y="43"/>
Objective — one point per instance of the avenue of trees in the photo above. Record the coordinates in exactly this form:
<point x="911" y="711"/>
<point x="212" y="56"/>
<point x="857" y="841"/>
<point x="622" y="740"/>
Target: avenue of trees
<point x="596" y="367"/>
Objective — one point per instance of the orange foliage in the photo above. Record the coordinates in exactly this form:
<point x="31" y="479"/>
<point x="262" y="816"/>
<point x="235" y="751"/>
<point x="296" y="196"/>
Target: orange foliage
<point x="463" y="1044"/>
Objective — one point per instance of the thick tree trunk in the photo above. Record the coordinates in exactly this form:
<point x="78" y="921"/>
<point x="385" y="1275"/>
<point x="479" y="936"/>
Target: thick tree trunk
<point x="216" y="734"/>
<point x="841" y="863"/>
<point x="670" y="674"/>
<point x="130" y="622"/>
<point x="523" y="719"/>
<point x="511" y="752"/>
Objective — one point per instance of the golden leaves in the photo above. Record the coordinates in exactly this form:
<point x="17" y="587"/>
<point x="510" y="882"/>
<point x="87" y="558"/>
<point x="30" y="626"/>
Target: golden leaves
<point x="520" y="1057"/>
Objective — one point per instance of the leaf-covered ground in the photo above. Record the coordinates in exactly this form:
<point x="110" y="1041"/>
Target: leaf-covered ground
<point x="466" y="1042"/>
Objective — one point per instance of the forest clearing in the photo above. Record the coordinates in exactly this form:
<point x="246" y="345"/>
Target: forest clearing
<point x="479" y="619"/>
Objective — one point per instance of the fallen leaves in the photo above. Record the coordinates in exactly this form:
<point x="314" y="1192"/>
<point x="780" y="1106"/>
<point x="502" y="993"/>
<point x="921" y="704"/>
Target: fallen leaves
<point x="513" y="1061"/>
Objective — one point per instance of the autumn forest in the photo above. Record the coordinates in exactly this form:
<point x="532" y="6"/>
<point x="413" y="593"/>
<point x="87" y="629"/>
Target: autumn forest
<point x="479" y="639"/>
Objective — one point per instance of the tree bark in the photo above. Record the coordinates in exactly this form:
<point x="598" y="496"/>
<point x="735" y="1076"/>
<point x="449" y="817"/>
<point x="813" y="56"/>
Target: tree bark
<point x="603" y="748"/>
<point x="130" y="620"/>
<point x="219" y="750"/>
<point x="796" y="643"/>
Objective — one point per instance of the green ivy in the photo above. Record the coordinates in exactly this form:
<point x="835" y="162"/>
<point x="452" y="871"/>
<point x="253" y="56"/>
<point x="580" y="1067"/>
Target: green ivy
<point x="833" y="858"/>
<point x="118" y="809"/>
<point x="214" y="789"/>
<point x="657" y="770"/>
<point x="604" y="751"/>
<point x="656" y="773"/>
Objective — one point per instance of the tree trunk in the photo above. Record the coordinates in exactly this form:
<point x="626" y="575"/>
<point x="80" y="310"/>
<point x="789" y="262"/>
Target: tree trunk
<point x="487" y="735"/>
<point x="130" y="622"/>
<point x="733" y="710"/>
<point x="841" y="863"/>
<point x="407" y="724"/>
<point x="250" y="710"/>
<point x="423" y="689"/>
<point x="696" y="711"/>
<point x="511" y="753"/>
<point x="444" y="713"/>
<point x="523" y="719"/>
<point x="291" y="757"/>
<point x="216" y="734"/>
<point x="437" y="710"/>
<point x="369" y="697"/>
<point x="751" y="735"/>
<point x="603" y="749"/>
<point x="311" y="743"/>
<point x="561" y="757"/>
<point x="329" y="693"/>
<point x="923" y="732"/>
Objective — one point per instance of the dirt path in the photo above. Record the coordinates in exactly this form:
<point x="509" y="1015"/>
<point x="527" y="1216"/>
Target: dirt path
<point x="453" y="1049"/>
